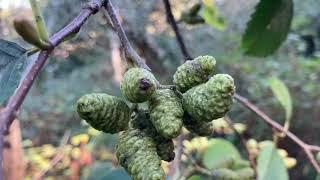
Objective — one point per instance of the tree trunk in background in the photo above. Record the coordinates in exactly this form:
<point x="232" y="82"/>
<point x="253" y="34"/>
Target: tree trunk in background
<point x="148" y="48"/>
<point x="135" y="20"/>
<point x="116" y="58"/>
<point x="14" y="166"/>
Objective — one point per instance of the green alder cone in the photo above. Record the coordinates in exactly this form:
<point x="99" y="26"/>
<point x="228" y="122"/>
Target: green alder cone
<point x="211" y="100"/>
<point x="138" y="85"/>
<point x="104" y="112"/>
<point x="165" y="147"/>
<point x="194" y="72"/>
<point x="137" y="153"/>
<point x="199" y="128"/>
<point x="166" y="113"/>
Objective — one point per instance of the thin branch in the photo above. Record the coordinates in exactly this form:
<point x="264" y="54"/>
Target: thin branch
<point x="175" y="27"/>
<point x="108" y="20"/>
<point x="175" y="165"/>
<point x="179" y="151"/>
<point x="41" y="26"/>
<point x="59" y="155"/>
<point x="8" y="113"/>
<point x="314" y="148"/>
<point x="130" y="53"/>
<point x="306" y="147"/>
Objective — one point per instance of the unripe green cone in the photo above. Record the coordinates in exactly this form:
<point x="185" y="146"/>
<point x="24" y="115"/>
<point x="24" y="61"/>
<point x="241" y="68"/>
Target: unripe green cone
<point x="211" y="100"/>
<point x="138" y="85"/>
<point x="194" y="72"/>
<point x="200" y="128"/>
<point x="137" y="153"/>
<point x="165" y="147"/>
<point x="28" y="32"/>
<point x="104" y="112"/>
<point x="166" y="113"/>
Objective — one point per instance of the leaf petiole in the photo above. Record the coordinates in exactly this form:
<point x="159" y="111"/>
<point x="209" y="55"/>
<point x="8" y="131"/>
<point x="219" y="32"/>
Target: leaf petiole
<point x="41" y="27"/>
<point x="32" y="51"/>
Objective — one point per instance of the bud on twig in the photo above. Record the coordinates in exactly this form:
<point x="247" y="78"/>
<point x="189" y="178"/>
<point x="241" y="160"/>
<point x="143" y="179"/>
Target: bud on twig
<point x="27" y="30"/>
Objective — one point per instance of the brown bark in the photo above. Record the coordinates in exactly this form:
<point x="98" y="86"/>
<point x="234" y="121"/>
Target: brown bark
<point x="13" y="164"/>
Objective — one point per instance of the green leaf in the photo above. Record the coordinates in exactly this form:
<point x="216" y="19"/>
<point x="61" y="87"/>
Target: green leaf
<point x="211" y="15"/>
<point x="218" y="152"/>
<point x="12" y="63"/>
<point x="282" y="93"/>
<point x="198" y="177"/>
<point x="270" y="165"/>
<point x="268" y="27"/>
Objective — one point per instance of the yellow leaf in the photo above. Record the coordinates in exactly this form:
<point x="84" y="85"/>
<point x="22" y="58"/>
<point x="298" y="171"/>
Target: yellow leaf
<point x="290" y="162"/>
<point x="93" y="132"/>
<point x="283" y="153"/>
<point x="76" y="140"/>
<point x="75" y="153"/>
<point x="208" y="2"/>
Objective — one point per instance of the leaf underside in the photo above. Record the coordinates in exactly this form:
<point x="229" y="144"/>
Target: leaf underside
<point x="281" y="92"/>
<point x="12" y="63"/>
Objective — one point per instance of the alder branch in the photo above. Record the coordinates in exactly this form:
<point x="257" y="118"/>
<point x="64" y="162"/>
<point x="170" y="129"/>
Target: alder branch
<point x="175" y="27"/>
<point x="130" y="53"/>
<point x="108" y="20"/>
<point x="306" y="147"/>
<point x="9" y="112"/>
